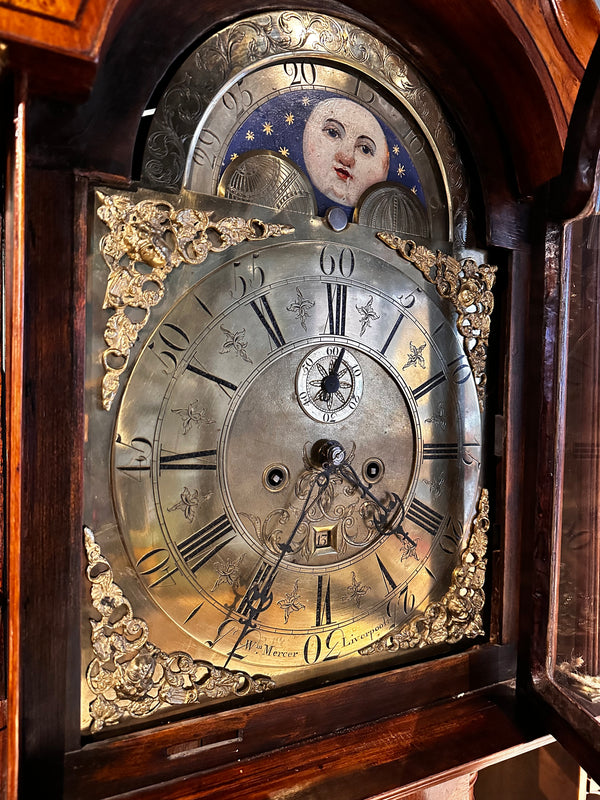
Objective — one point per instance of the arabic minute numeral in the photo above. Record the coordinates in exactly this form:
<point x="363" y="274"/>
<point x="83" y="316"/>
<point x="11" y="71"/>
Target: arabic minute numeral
<point x="176" y="340"/>
<point x="407" y="598"/>
<point x="315" y="645"/>
<point x="343" y="262"/>
<point x="156" y="563"/>
<point x="300" y="73"/>
<point x="451" y="537"/>
<point x="461" y="371"/>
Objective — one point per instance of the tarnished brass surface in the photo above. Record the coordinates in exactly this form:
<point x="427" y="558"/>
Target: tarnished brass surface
<point x="268" y="179"/>
<point x="468" y="286"/>
<point x="292" y="469"/>
<point x="153" y="233"/>
<point x="458" y="613"/>
<point x="131" y="677"/>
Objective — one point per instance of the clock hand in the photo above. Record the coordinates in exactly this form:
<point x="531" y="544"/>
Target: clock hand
<point x="331" y="382"/>
<point x="389" y="520"/>
<point x="259" y="596"/>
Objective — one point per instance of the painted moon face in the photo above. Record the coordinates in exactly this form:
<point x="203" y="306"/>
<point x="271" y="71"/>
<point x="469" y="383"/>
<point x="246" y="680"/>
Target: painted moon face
<point x="345" y="150"/>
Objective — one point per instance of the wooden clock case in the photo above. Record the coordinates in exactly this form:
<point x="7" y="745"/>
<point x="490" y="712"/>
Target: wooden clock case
<point x="80" y="124"/>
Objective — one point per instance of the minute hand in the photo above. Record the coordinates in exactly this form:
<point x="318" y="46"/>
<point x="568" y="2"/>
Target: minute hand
<point x="259" y="595"/>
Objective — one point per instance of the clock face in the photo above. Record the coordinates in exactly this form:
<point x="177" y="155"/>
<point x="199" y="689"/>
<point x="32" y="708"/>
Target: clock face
<point x="296" y="456"/>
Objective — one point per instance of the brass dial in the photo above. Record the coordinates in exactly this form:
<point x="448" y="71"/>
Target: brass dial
<point x="296" y="456"/>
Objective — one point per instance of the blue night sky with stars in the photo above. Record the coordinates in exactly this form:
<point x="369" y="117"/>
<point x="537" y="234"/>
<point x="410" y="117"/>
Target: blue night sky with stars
<point x="278" y="125"/>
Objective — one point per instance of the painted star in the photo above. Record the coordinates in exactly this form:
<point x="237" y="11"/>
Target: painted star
<point x="396" y="149"/>
<point x="250" y="136"/>
<point x="305" y="100"/>
<point x="267" y="128"/>
<point x="284" y="151"/>
<point x="232" y="156"/>
<point x="414" y="190"/>
<point x="289" y="118"/>
<point x="401" y="170"/>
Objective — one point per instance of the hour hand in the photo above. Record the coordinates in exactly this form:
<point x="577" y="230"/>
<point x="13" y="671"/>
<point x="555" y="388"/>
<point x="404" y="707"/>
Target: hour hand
<point x="388" y="517"/>
<point x="331" y="381"/>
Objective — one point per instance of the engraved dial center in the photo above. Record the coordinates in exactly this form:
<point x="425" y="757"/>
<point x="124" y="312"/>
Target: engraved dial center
<point x="307" y="473"/>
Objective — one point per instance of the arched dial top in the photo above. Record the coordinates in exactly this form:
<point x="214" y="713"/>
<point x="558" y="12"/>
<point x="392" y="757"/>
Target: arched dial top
<point x="301" y="111"/>
<point x="296" y="456"/>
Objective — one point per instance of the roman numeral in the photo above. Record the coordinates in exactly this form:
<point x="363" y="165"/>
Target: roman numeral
<point x="323" y="608"/>
<point x="181" y="460"/>
<point x="266" y="316"/>
<point x="426" y="387"/>
<point x="388" y="341"/>
<point x="337" y="295"/>
<point x="390" y="583"/>
<point x="223" y="384"/>
<point x="436" y="452"/>
<point x="202" y="545"/>
<point x="425" y="517"/>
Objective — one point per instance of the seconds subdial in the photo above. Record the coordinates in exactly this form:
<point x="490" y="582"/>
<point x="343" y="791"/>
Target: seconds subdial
<point x="329" y="383"/>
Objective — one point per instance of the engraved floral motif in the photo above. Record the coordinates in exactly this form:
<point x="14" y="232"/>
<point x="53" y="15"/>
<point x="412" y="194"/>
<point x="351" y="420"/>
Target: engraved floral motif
<point x="367" y="315"/>
<point x="193" y="415"/>
<point x="129" y="676"/>
<point x="356" y="591"/>
<point x="291" y="602"/>
<point x="468" y="286"/>
<point x="458" y="613"/>
<point x="228" y="571"/>
<point x="300" y="307"/>
<point x="155" y="234"/>
<point x="188" y="503"/>
<point x="439" y="417"/>
<point x="235" y="343"/>
<point x="415" y="358"/>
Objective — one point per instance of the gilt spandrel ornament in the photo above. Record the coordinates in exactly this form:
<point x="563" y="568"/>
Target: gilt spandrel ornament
<point x="468" y="286"/>
<point x="129" y="676"/>
<point x="147" y="241"/>
<point x="458" y="613"/>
